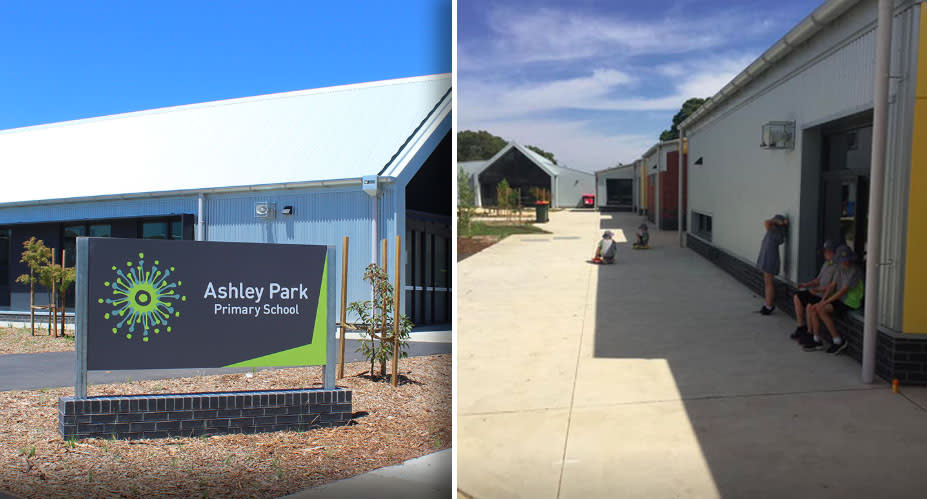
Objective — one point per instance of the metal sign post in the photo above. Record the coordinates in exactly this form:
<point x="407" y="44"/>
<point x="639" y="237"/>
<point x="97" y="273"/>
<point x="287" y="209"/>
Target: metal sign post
<point x="331" y="353"/>
<point x="80" y="319"/>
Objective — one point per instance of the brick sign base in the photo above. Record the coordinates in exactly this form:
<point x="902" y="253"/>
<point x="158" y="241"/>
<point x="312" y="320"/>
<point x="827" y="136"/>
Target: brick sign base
<point x="196" y="414"/>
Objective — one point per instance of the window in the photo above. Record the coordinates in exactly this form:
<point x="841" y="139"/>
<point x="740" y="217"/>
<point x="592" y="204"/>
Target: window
<point x="701" y="223"/>
<point x="70" y="233"/>
<point x="101" y="230"/>
<point x="5" y="252"/>
<point x="164" y="228"/>
<point x="155" y="230"/>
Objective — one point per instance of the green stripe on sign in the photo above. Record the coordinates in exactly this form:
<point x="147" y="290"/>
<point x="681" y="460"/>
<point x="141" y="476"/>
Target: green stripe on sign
<point x="312" y="354"/>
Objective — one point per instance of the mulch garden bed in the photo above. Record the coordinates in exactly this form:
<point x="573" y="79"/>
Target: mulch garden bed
<point x="469" y="246"/>
<point x="20" y="340"/>
<point x="391" y="425"/>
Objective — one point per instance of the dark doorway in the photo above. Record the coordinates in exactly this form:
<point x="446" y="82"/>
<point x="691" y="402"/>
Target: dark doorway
<point x="427" y="244"/>
<point x="520" y="172"/>
<point x="6" y="252"/>
<point x="846" y="152"/>
<point x="619" y="192"/>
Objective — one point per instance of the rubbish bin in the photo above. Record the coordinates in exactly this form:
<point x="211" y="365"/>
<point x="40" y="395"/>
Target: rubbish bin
<point x="541" y="209"/>
<point x="588" y="200"/>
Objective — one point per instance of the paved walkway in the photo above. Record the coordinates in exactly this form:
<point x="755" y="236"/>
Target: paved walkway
<point x="654" y="378"/>
<point x="426" y="477"/>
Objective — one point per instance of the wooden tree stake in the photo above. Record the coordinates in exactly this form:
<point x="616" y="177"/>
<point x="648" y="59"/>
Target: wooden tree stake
<point x="396" y="291"/>
<point x="344" y="305"/>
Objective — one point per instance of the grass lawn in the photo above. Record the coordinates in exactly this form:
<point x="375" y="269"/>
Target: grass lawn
<point x="503" y="230"/>
<point x="484" y="235"/>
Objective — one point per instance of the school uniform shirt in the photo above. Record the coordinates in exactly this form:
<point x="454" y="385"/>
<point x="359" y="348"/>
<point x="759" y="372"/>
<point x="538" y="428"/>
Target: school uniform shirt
<point x="852" y="278"/>
<point x="768" y="261"/>
<point x="604" y="246"/>
<point x="827" y="273"/>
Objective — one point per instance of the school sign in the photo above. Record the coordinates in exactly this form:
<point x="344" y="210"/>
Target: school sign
<point x="178" y="304"/>
<point x="153" y="304"/>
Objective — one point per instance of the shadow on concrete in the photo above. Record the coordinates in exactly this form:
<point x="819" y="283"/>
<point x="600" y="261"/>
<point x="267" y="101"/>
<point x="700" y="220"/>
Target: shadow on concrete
<point x="770" y="419"/>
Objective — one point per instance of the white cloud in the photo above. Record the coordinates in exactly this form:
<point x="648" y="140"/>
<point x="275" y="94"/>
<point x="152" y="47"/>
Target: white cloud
<point x="482" y="101"/>
<point x="572" y="143"/>
<point x="547" y="34"/>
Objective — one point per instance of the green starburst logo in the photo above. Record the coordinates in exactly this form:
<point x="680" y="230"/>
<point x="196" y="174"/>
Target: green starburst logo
<point x="143" y="299"/>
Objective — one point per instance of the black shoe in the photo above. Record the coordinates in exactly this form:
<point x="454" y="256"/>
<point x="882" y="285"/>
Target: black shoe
<point x="767" y="311"/>
<point x="799" y="332"/>
<point x="813" y="346"/>
<point x="836" y="349"/>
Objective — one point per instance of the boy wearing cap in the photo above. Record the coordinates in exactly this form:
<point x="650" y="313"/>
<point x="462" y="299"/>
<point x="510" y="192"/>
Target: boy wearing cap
<point x="768" y="261"/>
<point x="606" y="249"/>
<point x="814" y="291"/>
<point x="848" y="282"/>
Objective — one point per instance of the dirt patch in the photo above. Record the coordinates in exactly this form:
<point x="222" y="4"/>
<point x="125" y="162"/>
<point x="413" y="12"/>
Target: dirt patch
<point x="469" y="246"/>
<point x="390" y="426"/>
<point x="20" y="340"/>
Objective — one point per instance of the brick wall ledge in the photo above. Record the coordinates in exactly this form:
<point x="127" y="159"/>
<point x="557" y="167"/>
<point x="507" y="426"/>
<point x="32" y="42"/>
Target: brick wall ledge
<point x="197" y="414"/>
<point x="898" y="355"/>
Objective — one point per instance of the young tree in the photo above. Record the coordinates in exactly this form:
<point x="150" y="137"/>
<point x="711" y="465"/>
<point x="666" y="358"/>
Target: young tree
<point x="377" y="316"/>
<point x="35" y="255"/>
<point x="66" y="277"/>
<point x="466" y="201"/>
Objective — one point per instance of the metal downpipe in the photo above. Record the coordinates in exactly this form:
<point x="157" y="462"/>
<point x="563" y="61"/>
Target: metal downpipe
<point x="876" y="183"/>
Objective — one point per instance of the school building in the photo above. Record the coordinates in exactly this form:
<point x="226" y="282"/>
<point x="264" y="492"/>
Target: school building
<point x="527" y="171"/>
<point x="794" y="133"/>
<point x="369" y="161"/>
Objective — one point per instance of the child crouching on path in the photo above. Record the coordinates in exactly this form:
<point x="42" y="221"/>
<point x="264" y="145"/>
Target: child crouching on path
<point x="606" y="250"/>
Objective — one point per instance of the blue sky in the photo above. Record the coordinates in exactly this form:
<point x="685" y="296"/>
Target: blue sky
<point x="596" y="82"/>
<point x="68" y="60"/>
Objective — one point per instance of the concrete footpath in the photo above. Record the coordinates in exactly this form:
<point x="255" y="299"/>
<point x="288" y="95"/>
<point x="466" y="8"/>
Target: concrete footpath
<point x="654" y="377"/>
<point x="426" y="477"/>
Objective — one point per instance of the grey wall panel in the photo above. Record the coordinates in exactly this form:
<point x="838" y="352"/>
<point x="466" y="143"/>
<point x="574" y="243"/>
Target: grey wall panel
<point x="829" y="77"/>
<point x="571" y="185"/>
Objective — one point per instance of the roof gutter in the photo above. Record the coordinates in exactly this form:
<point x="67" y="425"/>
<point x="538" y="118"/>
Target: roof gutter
<point x="807" y="28"/>
<point x="190" y="192"/>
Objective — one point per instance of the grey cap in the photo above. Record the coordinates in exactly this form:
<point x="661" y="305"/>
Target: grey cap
<point x="608" y="233"/>
<point x="830" y="245"/>
<point x="844" y="254"/>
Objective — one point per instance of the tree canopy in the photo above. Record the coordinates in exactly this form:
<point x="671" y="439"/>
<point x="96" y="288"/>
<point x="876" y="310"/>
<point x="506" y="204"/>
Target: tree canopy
<point x="482" y="145"/>
<point x="476" y="146"/>
<point x="688" y="107"/>
<point x="542" y="152"/>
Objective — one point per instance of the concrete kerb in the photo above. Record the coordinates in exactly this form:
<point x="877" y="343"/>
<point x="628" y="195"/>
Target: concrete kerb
<point x="428" y="476"/>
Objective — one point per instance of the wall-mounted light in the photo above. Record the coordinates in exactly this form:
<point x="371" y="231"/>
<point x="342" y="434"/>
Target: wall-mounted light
<point x="287" y="210"/>
<point x="778" y="135"/>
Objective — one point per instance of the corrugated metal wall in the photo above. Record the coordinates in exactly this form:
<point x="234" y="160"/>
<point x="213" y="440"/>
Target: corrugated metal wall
<point x="320" y="216"/>
<point x="829" y="78"/>
<point x="93" y="210"/>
